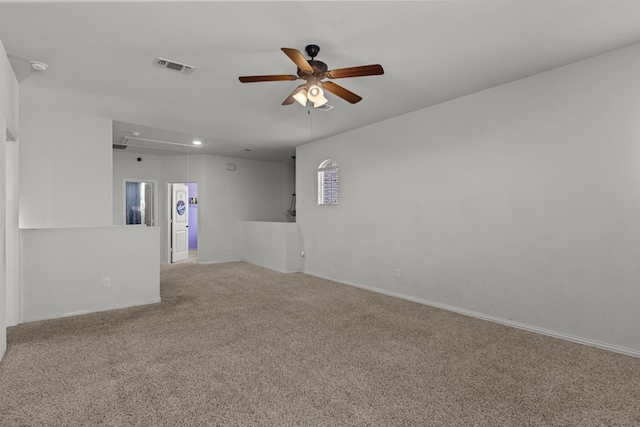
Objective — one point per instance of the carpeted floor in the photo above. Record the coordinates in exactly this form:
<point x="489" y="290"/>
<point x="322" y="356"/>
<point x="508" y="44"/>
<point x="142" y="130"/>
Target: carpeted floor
<point x="238" y="345"/>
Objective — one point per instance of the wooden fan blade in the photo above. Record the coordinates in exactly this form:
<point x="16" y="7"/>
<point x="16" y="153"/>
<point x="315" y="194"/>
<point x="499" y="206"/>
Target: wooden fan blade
<point x="290" y="100"/>
<point x="341" y="92"/>
<point x="297" y="57"/>
<point x="364" y="70"/>
<point x="271" y="78"/>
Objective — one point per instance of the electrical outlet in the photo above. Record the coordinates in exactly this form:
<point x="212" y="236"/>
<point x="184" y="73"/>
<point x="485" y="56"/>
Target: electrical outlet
<point x="398" y="273"/>
<point x="106" y="281"/>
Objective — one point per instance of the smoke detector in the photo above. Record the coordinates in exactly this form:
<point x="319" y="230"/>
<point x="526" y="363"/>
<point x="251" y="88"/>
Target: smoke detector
<point x="39" y="66"/>
<point x="173" y="65"/>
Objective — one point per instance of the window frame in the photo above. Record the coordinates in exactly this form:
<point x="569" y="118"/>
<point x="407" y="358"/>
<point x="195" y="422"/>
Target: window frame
<point x="328" y="183"/>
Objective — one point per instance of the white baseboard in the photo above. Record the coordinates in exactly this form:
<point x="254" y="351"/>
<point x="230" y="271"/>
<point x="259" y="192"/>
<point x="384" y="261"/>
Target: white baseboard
<point x="220" y="261"/>
<point x="269" y="267"/>
<point x="49" y="316"/>
<point x="523" y="326"/>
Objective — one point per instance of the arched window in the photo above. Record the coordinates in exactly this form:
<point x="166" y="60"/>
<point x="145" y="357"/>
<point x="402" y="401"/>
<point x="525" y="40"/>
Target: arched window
<point x="328" y="183"/>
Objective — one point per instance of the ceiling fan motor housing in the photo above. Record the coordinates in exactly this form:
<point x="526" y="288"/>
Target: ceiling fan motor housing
<point x="312" y="50"/>
<point x="319" y="69"/>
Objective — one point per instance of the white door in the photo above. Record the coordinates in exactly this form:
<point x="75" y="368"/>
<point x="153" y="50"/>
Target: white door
<point x="179" y="222"/>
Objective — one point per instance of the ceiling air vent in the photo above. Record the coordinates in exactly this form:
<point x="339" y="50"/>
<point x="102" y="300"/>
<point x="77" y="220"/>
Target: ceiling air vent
<point x="173" y="65"/>
<point x="122" y="145"/>
<point x="325" y="107"/>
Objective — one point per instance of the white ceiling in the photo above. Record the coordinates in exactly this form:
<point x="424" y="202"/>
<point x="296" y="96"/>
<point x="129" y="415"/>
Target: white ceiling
<point x="431" y="52"/>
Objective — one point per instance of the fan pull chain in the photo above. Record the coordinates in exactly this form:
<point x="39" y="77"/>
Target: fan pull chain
<point x="310" y="125"/>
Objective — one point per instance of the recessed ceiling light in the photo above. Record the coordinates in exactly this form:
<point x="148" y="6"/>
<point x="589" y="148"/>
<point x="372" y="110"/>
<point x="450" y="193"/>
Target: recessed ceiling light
<point x="196" y="142"/>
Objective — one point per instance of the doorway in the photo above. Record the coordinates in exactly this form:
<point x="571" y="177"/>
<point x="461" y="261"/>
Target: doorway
<point x="139" y="201"/>
<point x="182" y="222"/>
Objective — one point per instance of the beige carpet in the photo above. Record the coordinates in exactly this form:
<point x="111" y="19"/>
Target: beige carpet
<point x="238" y="345"/>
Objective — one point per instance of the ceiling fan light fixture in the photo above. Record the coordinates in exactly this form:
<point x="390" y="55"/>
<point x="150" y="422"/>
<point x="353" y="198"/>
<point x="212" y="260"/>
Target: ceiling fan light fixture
<point x="301" y="97"/>
<point x="315" y="92"/>
<point x="316" y="95"/>
<point x="320" y="102"/>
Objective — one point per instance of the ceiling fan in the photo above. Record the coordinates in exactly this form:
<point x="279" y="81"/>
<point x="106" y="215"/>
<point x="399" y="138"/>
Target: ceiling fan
<point x="314" y="72"/>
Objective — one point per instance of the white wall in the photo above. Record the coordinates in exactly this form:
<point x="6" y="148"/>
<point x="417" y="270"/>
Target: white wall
<point x="520" y="203"/>
<point x="65" y="164"/>
<point x="256" y="190"/>
<point x="8" y="91"/>
<point x="274" y="245"/>
<point x="12" y="250"/>
<point x="8" y="125"/>
<point x="61" y="275"/>
<point x="3" y="204"/>
<point x="67" y="239"/>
